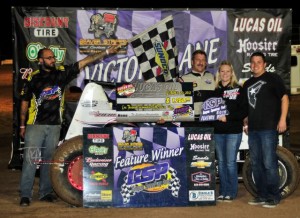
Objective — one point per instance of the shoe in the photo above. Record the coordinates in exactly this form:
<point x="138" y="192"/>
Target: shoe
<point x="256" y="201"/>
<point x="270" y="204"/>
<point x="220" y="198"/>
<point x="49" y="198"/>
<point x="25" y="202"/>
<point x="228" y="199"/>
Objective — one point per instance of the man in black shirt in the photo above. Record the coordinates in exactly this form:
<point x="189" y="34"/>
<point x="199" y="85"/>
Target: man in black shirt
<point x="267" y="111"/>
<point x="45" y="92"/>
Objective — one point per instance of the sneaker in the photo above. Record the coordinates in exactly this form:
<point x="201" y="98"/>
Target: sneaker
<point x="270" y="204"/>
<point x="25" y="202"/>
<point x="220" y="198"/>
<point x="256" y="201"/>
<point x="228" y="199"/>
<point x="49" y="198"/>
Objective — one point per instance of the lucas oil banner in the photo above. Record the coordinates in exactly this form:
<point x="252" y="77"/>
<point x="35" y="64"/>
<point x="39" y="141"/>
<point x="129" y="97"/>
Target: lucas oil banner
<point x="148" y="167"/>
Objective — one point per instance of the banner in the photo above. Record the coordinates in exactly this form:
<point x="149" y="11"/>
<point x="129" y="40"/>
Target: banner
<point x="265" y="30"/>
<point x="74" y="33"/>
<point x="156" y="52"/>
<point x="148" y="167"/>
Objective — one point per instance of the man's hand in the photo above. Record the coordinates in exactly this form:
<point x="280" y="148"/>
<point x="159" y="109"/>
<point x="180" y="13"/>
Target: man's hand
<point x="22" y="131"/>
<point x="161" y="121"/>
<point x="245" y="127"/>
<point x="98" y="56"/>
<point x="222" y="119"/>
<point x="281" y="127"/>
<point x="113" y="49"/>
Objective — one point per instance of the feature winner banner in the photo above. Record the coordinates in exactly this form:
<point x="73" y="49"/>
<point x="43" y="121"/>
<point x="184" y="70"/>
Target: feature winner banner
<point x="152" y="101"/>
<point x="152" y="167"/>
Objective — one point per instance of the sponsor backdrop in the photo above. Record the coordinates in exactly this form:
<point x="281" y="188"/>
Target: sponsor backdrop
<point x="74" y="33"/>
<point x="224" y="34"/>
<point x="148" y="167"/>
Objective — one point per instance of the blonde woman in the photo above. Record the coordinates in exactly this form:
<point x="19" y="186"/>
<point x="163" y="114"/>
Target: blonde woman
<point x="228" y="130"/>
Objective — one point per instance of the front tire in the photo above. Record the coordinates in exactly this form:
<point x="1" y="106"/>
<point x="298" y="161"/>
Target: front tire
<point x="288" y="173"/>
<point x="66" y="171"/>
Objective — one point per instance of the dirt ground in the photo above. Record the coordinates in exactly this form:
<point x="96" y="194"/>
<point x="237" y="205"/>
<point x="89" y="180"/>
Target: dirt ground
<point x="9" y="185"/>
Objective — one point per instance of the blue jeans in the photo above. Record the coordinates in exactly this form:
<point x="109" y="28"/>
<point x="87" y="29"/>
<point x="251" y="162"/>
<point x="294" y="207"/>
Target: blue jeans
<point x="40" y="144"/>
<point x="227" y="146"/>
<point x="264" y="163"/>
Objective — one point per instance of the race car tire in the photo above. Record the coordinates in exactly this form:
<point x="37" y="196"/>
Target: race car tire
<point x="66" y="171"/>
<point x="288" y="172"/>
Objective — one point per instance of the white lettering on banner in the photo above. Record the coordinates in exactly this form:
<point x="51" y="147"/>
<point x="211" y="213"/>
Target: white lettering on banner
<point x="246" y="45"/>
<point x="109" y="68"/>
<point x="250" y="24"/>
<point x="186" y="58"/>
<point x="212" y="103"/>
<point x="212" y="51"/>
<point x="94" y="72"/>
<point x="130" y="161"/>
<point x="210" y="46"/>
<point x="274" y="25"/>
<point x="122" y="62"/>
<point x="101" y="73"/>
<point x="246" y="68"/>
<point x="163" y="153"/>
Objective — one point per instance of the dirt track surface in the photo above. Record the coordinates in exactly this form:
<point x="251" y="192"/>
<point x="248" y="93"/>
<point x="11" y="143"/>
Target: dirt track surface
<point x="9" y="186"/>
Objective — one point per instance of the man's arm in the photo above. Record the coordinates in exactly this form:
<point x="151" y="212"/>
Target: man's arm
<point x="91" y="58"/>
<point x="23" y="113"/>
<point x="281" y="127"/>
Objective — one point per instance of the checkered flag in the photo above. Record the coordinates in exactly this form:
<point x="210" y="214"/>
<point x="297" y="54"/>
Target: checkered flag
<point x="174" y="185"/>
<point x="126" y="191"/>
<point x="156" y="51"/>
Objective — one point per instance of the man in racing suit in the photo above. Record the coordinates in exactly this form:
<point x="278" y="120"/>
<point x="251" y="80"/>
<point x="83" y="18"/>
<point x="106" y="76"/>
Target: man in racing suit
<point x="203" y="85"/>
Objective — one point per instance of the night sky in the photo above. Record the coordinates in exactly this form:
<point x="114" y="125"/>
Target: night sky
<point x="6" y="29"/>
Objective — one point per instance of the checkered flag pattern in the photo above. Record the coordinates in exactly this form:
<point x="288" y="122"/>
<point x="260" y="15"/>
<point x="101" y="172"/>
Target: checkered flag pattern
<point x="156" y="51"/>
<point x="152" y="138"/>
<point x="174" y="185"/>
<point x="126" y="191"/>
